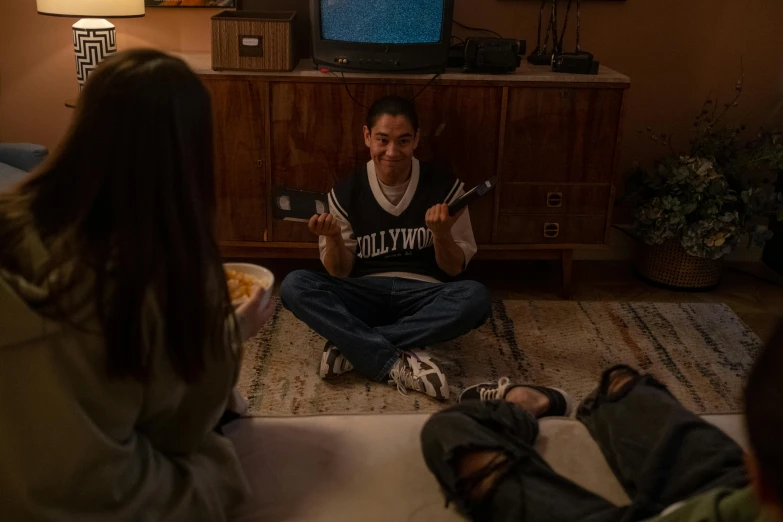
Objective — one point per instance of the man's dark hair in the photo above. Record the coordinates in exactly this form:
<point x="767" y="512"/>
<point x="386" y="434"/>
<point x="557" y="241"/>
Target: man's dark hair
<point x="763" y="394"/>
<point x="393" y="106"/>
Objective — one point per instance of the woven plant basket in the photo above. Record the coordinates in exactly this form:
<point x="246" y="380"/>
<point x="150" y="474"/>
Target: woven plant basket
<point x="669" y="265"/>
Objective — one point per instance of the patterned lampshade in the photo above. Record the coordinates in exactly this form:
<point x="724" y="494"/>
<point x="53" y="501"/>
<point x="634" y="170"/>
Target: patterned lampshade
<point x="92" y="8"/>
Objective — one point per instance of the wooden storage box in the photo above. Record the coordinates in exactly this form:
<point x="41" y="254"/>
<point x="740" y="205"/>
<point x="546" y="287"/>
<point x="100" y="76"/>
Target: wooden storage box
<point x="253" y="41"/>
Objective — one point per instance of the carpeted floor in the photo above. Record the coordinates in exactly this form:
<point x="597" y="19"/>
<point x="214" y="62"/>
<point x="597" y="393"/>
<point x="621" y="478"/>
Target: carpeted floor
<point x="702" y="352"/>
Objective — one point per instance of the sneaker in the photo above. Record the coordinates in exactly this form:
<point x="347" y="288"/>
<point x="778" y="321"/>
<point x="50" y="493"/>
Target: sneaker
<point x="417" y="371"/>
<point x="333" y="363"/>
<point x="560" y="403"/>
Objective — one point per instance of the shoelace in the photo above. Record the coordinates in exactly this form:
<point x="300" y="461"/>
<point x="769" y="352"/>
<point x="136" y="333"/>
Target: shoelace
<point x="404" y="379"/>
<point x="491" y="394"/>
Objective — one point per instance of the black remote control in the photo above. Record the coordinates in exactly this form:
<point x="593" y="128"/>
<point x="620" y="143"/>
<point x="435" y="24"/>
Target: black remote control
<point x="472" y="195"/>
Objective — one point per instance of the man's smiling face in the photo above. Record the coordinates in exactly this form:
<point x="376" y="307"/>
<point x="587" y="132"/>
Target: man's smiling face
<point x="392" y="141"/>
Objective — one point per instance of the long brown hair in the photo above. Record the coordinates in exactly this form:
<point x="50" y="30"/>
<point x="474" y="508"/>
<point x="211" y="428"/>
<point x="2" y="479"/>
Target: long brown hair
<point x="128" y="201"/>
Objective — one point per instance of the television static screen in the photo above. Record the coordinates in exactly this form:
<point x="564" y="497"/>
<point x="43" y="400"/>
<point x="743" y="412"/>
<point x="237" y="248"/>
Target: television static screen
<point x="382" y="21"/>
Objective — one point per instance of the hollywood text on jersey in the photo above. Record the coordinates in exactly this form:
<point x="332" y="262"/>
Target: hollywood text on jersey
<point x="396" y="240"/>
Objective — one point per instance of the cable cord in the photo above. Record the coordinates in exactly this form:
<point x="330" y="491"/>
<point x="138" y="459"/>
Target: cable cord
<point x="360" y="104"/>
<point x="347" y="90"/>
<point x="478" y="29"/>
<point x="425" y="86"/>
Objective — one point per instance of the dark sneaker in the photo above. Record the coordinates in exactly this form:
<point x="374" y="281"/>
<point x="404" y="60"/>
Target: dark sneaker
<point x="333" y="363"/>
<point x="560" y="403"/>
<point x="418" y="372"/>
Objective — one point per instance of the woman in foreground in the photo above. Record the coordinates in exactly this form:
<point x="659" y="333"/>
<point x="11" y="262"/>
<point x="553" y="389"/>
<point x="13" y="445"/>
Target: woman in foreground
<point x="119" y="345"/>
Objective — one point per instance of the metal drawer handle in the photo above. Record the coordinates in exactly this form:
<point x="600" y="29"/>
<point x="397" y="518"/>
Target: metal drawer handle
<point x="554" y="199"/>
<point x="551" y="230"/>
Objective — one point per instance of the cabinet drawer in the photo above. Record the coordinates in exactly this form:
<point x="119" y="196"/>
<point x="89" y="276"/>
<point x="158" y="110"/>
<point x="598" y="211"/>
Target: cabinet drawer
<point x="538" y="229"/>
<point x="565" y="135"/>
<point x="553" y="198"/>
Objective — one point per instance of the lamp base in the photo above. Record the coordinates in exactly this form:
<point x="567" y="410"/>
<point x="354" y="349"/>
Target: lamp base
<point x="93" y="41"/>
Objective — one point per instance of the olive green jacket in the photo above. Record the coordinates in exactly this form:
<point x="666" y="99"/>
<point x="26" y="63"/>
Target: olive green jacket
<point x="719" y="505"/>
<point x="76" y="445"/>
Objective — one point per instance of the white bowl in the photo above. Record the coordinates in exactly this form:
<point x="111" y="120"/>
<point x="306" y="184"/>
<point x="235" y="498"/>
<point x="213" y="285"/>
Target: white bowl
<point x="259" y="272"/>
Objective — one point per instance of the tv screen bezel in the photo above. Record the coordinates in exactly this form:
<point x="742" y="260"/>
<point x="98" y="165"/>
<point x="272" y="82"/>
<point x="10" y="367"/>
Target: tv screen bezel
<point x="413" y="56"/>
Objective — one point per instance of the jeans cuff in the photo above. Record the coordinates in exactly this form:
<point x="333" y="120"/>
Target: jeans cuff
<point x="384" y="373"/>
<point x="601" y="394"/>
<point x="603" y="388"/>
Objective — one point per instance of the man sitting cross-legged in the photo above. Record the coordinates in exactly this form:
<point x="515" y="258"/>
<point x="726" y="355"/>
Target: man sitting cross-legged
<point x="674" y="466"/>
<point x="391" y="250"/>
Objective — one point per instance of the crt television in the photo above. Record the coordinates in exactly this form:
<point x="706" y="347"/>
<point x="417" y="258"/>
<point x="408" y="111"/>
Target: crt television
<point x="382" y="35"/>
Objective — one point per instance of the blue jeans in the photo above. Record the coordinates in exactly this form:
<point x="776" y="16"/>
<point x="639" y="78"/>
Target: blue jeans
<point x="372" y="320"/>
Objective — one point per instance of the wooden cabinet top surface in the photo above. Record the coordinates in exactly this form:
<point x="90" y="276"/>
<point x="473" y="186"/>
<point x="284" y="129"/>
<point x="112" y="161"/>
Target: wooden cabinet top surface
<point x="201" y="63"/>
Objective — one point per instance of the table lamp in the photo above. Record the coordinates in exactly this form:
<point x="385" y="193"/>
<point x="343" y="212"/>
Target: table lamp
<point x="94" y="38"/>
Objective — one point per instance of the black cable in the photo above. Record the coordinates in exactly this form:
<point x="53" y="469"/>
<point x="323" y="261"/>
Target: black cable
<point x="476" y="29"/>
<point x="540" y="17"/>
<point x="565" y="26"/>
<point x="554" y="27"/>
<point x="357" y="102"/>
<point x="425" y="87"/>
<point x="345" y="84"/>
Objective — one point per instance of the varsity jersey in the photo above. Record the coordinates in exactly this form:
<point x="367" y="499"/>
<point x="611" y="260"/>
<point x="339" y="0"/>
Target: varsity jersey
<point x="393" y="240"/>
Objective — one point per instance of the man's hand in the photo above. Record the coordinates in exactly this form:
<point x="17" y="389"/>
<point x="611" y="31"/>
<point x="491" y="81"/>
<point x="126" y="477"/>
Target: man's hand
<point x="337" y="259"/>
<point x="439" y="221"/>
<point x="448" y="254"/>
<point x="324" y="225"/>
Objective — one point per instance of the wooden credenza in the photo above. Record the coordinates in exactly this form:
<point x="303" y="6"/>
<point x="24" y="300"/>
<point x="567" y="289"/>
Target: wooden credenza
<point x="552" y="140"/>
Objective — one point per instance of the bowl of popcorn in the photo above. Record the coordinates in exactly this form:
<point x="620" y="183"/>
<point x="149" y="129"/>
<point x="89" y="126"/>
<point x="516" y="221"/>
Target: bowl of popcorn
<point x="244" y="279"/>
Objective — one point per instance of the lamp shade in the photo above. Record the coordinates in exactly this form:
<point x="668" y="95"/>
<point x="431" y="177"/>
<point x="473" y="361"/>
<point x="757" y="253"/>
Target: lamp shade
<point x="92" y="8"/>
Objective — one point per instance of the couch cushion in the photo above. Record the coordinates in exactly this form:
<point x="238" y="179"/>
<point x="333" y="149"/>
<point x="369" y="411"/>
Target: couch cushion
<point x="24" y="156"/>
<point x="369" y="467"/>
<point x="9" y="176"/>
<point x="346" y="467"/>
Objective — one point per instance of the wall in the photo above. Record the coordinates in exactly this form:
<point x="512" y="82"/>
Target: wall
<point x="37" y="69"/>
<point x="676" y="53"/>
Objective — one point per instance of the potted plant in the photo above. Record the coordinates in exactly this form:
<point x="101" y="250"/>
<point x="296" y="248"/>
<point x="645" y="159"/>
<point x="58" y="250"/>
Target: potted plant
<point x="693" y="208"/>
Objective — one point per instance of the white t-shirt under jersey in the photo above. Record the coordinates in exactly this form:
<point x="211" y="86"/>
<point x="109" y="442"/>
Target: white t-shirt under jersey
<point x="394" y="193"/>
<point x="395" y="199"/>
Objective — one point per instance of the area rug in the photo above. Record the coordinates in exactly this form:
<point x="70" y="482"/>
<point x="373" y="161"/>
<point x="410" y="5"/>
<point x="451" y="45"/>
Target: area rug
<point x="702" y="352"/>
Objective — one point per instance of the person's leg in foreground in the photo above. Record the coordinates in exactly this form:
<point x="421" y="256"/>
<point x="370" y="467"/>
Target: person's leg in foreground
<point x="482" y="453"/>
<point x="660" y="452"/>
